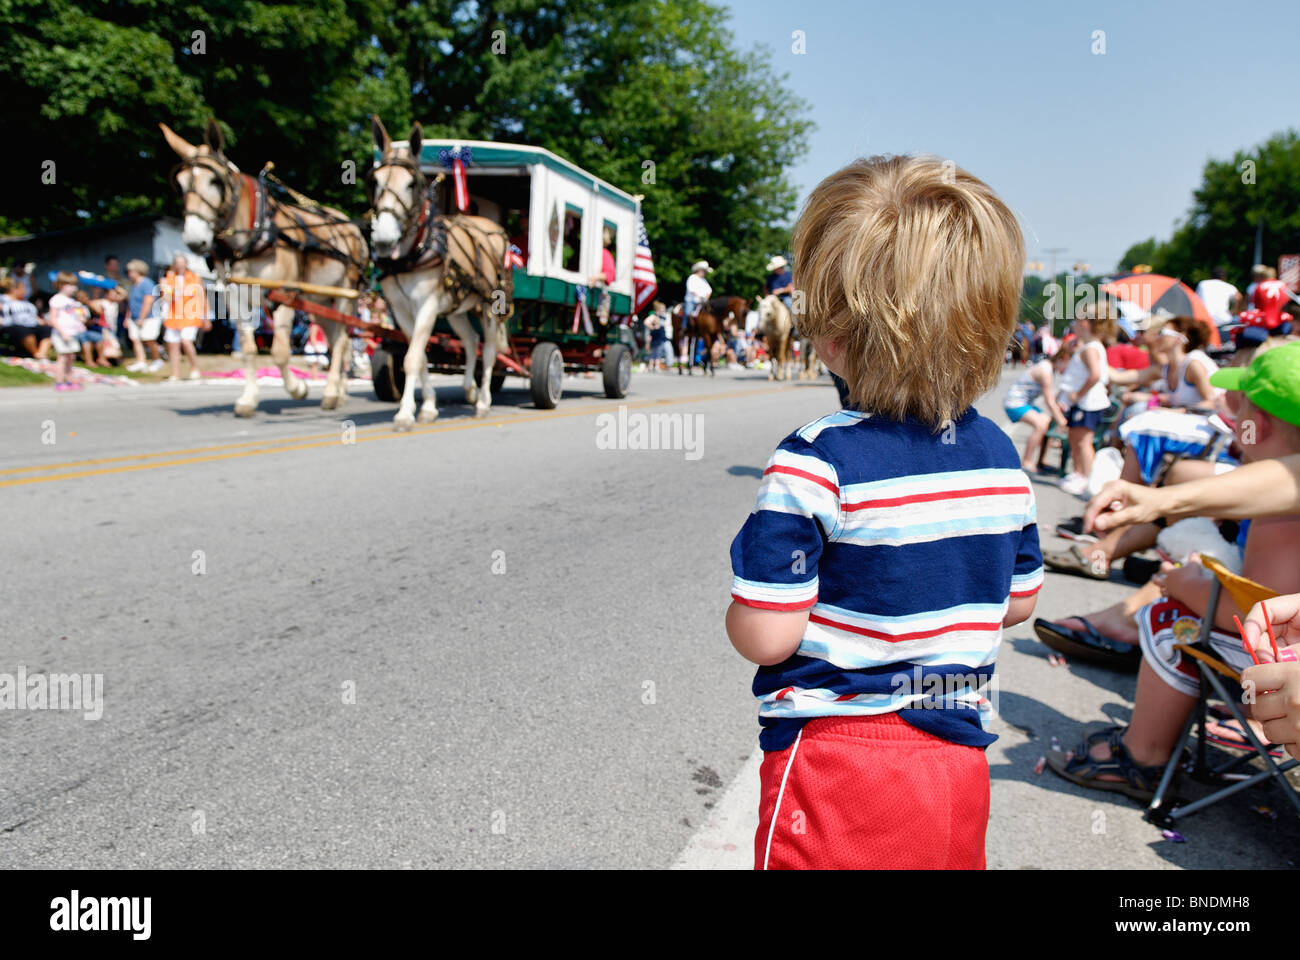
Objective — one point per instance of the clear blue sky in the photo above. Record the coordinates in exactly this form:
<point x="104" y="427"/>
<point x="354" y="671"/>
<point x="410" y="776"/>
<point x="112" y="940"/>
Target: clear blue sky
<point x="1093" y="153"/>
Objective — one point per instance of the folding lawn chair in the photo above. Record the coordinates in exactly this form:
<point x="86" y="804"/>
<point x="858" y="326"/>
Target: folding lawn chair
<point x="1245" y="593"/>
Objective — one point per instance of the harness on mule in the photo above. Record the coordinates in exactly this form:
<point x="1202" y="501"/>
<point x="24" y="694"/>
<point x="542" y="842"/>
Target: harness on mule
<point x="456" y="242"/>
<point x="233" y="242"/>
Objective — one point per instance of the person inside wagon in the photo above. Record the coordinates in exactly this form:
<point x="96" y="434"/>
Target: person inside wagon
<point x="605" y="277"/>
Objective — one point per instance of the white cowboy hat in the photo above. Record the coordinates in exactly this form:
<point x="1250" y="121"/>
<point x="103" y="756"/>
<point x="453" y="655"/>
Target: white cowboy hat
<point x="702" y="265"/>
<point x="776" y="263"/>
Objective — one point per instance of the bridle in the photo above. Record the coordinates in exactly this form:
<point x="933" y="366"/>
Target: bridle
<point x="227" y="180"/>
<point x="414" y="219"/>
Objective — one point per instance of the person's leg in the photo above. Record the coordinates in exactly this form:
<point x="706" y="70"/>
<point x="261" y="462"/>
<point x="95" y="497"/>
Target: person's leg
<point x="1159" y="714"/>
<point x="1183" y="471"/>
<point x="28" y="343"/>
<point x="1132" y="471"/>
<point x="1116" y="621"/>
<point x="1038" y="423"/>
<point x="191" y="351"/>
<point x="1081" y="449"/>
<point x="174" y="354"/>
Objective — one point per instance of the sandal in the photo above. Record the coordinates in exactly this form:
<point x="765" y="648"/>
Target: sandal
<point x="1138" y="782"/>
<point x="1072" y="560"/>
<point x="1088" y="644"/>
<point x="1072" y="529"/>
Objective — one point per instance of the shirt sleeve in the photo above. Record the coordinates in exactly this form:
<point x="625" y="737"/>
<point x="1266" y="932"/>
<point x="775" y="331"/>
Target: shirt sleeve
<point x="775" y="555"/>
<point x="1027" y="577"/>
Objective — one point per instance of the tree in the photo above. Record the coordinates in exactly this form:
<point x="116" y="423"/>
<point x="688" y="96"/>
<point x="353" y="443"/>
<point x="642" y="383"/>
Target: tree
<point x="651" y="95"/>
<point x="85" y="85"/>
<point x="1236" y="196"/>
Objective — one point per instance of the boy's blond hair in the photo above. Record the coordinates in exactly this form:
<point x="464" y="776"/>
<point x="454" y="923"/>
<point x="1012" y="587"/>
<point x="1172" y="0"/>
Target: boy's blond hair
<point x="63" y="278"/>
<point x="916" y="268"/>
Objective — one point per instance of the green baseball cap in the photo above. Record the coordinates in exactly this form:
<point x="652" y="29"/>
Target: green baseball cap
<point x="1271" y="382"/>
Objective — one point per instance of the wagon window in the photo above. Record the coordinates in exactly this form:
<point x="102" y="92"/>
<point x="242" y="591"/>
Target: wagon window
<point x="609" y="241"/>
<point x="572" y="237"/>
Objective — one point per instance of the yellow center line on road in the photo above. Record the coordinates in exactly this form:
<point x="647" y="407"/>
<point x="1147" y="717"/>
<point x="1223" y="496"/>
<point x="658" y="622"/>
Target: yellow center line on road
<point x="314" y="441"/>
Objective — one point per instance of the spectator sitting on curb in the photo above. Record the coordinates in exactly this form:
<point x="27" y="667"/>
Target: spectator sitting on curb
<point x="1130" y="760"/>
<point x="21" y="319"/>
<point x="1266" y="397"/>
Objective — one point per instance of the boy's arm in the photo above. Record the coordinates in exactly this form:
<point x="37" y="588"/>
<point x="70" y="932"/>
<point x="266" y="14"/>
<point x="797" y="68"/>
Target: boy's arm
<point x="765" y="637"/>
<point x="1020" y="609"/>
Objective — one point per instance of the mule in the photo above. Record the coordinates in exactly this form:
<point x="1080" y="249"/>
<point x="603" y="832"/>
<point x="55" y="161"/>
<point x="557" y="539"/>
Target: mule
<point x="431" y="266"/>
<point x="234" y="218"/>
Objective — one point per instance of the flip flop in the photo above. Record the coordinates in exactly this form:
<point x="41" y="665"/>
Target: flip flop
<point x="1088" y="644"/>
<point x="1072" y="561"/>
<point x="1079" y="767"/>
<point x="1072" y="529"/>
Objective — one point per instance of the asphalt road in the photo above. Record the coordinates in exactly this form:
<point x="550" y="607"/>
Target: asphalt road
<point x="483" y="643"/>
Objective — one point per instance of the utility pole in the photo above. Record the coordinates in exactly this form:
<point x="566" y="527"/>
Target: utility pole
<point x="1054" y="251"/>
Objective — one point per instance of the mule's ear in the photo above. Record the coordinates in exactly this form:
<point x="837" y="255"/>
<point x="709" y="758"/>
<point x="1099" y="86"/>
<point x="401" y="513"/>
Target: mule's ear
<point x="382" y="140"/>
<point x="416" y="142"/>
<point x="212" y="136"/>
<point x="183" y="148"/>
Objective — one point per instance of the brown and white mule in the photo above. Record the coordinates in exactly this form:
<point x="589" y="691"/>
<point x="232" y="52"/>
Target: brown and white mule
<point x="432" y="266"/>
<point x="234" y="218"/>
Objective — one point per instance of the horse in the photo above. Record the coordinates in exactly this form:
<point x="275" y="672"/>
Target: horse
<point x="776" y="323"/>
<point x="235" y="219"/>
<point x="434" y="265"/>
<point x="706" y="326"/>
<point x="709" y="325"/>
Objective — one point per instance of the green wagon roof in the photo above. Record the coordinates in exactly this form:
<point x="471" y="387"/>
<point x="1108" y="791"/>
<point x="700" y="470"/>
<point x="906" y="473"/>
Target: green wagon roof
<point x="488" y="153"/>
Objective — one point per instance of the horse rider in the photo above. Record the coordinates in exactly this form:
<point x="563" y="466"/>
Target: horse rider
<point x="698" y="290"/>
<point x="780" y="281"/>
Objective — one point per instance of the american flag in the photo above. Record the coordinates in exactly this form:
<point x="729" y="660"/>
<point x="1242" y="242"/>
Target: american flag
<point x="644" y="281"/>
<point x="514" y="257"/>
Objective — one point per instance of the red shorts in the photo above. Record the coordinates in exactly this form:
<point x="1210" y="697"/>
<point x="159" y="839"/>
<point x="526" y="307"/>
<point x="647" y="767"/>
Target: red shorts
<point x="872" y="793"/>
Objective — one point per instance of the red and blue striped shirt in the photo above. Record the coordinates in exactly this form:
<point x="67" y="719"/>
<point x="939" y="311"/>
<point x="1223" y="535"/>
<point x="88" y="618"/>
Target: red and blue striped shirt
<point x="905" y="546"/>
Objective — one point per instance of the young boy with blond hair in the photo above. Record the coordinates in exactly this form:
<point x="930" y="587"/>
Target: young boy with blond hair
<point x="894" y="539"/>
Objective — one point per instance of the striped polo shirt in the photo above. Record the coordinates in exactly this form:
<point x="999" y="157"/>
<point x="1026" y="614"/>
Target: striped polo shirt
<point x="905" y="546"/>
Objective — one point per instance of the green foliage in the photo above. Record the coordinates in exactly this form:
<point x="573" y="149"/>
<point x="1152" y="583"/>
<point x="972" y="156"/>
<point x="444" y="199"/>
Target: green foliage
<point x="609" y="84"/>
<point x="1226" y="209"/>
<point x="1064" y="294"/>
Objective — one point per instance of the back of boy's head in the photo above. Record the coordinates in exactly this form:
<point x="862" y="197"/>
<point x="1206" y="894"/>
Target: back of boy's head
<point x="915" y="267"/>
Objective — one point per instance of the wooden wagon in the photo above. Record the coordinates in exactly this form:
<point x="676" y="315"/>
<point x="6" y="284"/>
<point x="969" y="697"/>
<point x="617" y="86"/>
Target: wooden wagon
<point x="558" y="217"/>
